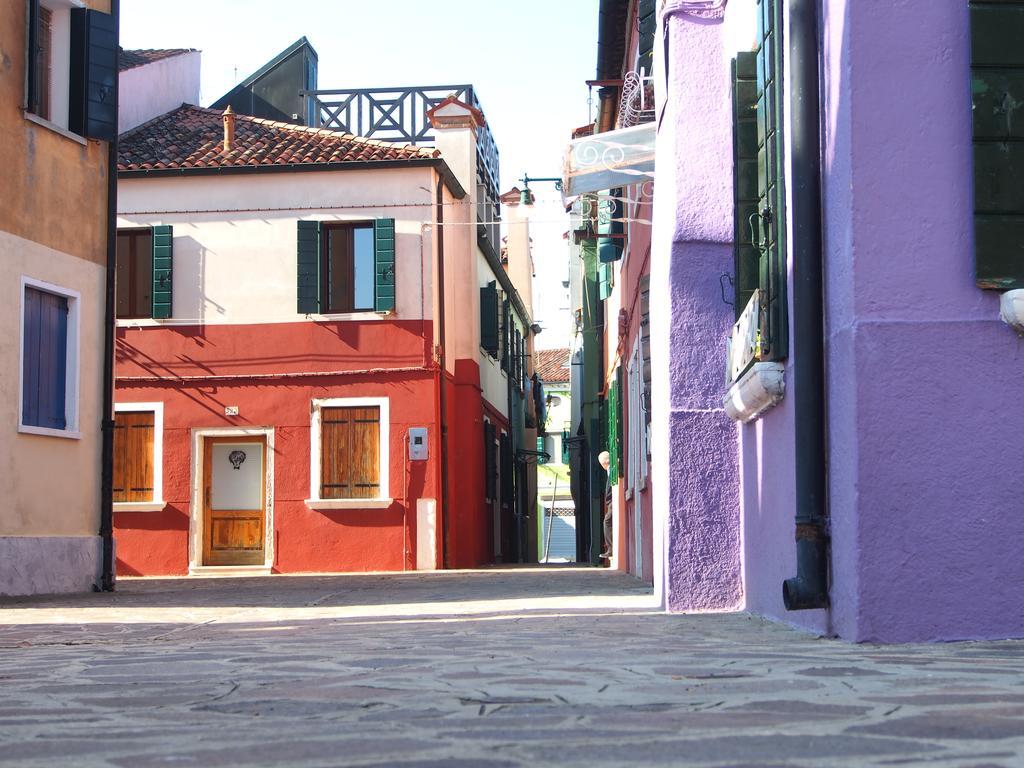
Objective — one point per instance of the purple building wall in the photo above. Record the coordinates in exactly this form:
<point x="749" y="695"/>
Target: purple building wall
<point x="925" y="384"/>
<point x="924" y="373"/>
<point x="695" y="478"/>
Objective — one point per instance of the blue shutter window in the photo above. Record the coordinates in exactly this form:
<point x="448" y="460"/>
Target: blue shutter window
<point x="44" y="360"/>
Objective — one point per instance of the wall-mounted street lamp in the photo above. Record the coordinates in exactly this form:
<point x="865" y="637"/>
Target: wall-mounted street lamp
<point x="526" y="195"/>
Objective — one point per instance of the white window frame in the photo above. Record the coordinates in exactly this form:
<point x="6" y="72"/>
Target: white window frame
<point x="315" y="501"/>
<point x="71" y="361"/>
<point x="157" y="504"/>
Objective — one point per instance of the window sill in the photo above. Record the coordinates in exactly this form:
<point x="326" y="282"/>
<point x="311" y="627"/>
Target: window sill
<point x="366" y="315"/>
<point x="139" y="506"/>
<point x="758" y="390"/>
<point x="328" y="504"/>
<point x="67" y="434"/>
<point x="42" y="121"/>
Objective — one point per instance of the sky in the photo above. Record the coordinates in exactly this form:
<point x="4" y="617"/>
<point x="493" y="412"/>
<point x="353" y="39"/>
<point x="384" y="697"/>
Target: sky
<point x="529" y="61"/>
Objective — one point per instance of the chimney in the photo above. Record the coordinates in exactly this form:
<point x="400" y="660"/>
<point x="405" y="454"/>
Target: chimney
<point x="229" y="129"/>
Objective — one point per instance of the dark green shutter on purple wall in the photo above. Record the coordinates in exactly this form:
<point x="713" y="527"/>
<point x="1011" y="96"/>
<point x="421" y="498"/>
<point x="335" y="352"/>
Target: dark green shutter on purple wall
<point x="997" y="100"/>
<point x="771" y="230"/>
<point x="759" y="228"/>
<point x="747" y="258"/>
<point x="647" y="21"/>
<point x="44" y="360"/>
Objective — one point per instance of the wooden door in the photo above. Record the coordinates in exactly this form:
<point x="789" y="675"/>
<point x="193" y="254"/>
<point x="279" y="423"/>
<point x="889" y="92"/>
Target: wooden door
<point x="234" y="500"/>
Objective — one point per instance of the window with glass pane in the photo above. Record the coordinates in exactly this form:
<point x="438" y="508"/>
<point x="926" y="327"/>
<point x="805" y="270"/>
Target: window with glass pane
<point x="348" y="268"/>
<point x="133" y="456"/>
<point x="134" y="273"/>
<point x="350" y="453"/>
<point x="44" y="359"/>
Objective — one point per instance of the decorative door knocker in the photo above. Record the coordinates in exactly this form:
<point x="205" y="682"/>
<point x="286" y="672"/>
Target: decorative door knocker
<point x="236" y="458"/>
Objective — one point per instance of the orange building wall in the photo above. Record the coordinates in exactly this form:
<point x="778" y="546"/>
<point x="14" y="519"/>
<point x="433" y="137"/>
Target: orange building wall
<point x="54" y="186"/>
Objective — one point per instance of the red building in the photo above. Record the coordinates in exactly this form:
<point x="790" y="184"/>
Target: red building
<point x="301" y="341"/>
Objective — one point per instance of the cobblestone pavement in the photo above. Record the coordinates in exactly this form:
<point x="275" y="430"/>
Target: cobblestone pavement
<point x="487" y="668"/>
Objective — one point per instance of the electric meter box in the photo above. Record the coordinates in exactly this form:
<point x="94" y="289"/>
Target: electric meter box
<point x="417" y="443"/>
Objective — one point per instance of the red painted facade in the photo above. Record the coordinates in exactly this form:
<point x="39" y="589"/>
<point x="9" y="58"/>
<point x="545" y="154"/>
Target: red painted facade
<point x="272" y="372"/>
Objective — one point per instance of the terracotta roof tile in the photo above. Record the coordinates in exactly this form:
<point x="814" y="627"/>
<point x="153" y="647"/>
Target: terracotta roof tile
<point x="129" y="59"/>
<point x="193" y="137"/>
<point x="552" y="365"/>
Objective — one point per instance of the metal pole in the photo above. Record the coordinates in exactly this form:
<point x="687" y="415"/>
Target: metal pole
<point x="809" y="588"/>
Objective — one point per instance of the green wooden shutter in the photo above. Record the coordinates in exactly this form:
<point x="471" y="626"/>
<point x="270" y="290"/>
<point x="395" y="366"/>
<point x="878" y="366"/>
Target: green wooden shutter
<point x="163" y="264"/>
<point x="92" y="105"/>
<point x="604" y="281"/>
<point x="647" y="21"/>
<point x="308" y="290"/>
<point x="771" y="224"/>
<point x="384" y="265"/>
<point x="506" y="336"/>
<point x="613" y="433"/>
<point x="746" y="256"/>
<point x="997" y="96"/>
<point x="489" y="318"/>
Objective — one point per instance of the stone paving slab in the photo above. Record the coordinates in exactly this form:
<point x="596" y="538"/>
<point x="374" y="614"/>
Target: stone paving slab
<point x="496" y="668"/>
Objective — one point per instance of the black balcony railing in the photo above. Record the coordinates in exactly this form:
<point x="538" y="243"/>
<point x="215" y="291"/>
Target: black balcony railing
<point x="400" y="114"/>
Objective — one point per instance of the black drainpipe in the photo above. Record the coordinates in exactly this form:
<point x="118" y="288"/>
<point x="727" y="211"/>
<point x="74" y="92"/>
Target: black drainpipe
<point x="442" y="380"/>
<point x="107" y="424"/>
<point x="809" y="588"/>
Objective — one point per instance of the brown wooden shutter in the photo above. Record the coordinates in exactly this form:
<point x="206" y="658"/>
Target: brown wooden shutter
<point x="44" y="61"/>
<point x="133" y="456"/>
<point x="350" y="453"/>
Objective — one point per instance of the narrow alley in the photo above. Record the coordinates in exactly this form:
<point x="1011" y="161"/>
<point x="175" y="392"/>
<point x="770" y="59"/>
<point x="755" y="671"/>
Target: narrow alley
<point x="497" y="668"/>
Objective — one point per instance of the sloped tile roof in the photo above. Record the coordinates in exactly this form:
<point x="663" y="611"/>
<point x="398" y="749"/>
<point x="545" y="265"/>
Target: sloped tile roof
<point x="129" y="59"/>
<point x="552" y="365"/>
<point x="193" y="137"/>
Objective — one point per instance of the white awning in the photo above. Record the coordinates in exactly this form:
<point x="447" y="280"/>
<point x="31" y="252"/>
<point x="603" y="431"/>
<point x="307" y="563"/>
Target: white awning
<point x="608" y="160"/>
